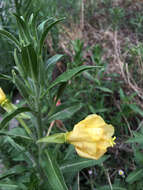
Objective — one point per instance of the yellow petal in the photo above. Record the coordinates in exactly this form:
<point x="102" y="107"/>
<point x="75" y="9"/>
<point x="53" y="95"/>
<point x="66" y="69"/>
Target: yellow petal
<point x="92" y="121"/>
<point x="95" y="156"/>
<point x="84" y="154"/>
<point x="108" y="131"/>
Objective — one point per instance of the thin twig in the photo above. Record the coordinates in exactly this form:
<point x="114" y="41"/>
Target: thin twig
<point x="108" y="177"/>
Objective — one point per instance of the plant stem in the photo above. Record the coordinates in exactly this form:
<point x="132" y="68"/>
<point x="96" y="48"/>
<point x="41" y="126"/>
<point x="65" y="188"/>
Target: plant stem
<point x="25" y="126"/>
<point x="108" y="177"/>
<point x="17" y="7"/>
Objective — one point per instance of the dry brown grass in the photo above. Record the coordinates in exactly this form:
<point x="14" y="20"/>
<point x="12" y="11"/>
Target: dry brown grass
<point x="113" y="44"/>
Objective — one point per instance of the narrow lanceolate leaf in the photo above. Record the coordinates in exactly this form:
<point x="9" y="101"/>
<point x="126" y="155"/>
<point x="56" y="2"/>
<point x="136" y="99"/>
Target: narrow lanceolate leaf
<point x="27" y="157"/>
<point x="41" y="26"/>
<point x="24" y="91"/>
<point x="43" y="37"/>
<point x="53" y="60"/>
<point x="13" y="133"/>
<point x="9" y="186"/>
<point x="65" y="113"/>
<point x="33" y="61"/>
<point x="23" y="29"/>
<point x="5" y="77"/>
<point x="134" y="176"/>
<point x="10" y="37"/>
<point x="10" y="116"/>
<point x="136" y="140"/>
<point x="29" y="60"/>
<point x="20" y="67"/>
<point x="53" y="173"/>
<point x="16" y="170"/>
<point x="80" y="164"/>
<point x="136" y="109"/>
<point x="7" y="174"/>
<point x="69" y="74"/>
<point x="105" y="89"/>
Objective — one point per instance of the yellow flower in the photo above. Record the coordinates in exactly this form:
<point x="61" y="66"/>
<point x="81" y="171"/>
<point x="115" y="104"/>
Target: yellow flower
<point x="2" y="96"/>
<point x="91" y="137"/>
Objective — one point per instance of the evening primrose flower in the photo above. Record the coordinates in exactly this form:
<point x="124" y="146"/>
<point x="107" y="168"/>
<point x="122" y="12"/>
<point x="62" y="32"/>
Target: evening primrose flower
<point x="91" y="137"/>
<point x="2" y="96"/>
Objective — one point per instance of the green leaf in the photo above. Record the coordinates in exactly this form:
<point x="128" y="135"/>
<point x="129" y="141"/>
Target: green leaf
<point x="33" y="25"/>
<point x="94" y="110"/>
<point x="138" y="139"/>
<point x="5" y="77"/>
<point x="43" y="37"/>
<point x="21" y="150"/>
<point x="8" y="186"/>
<point x="10" y="37"/>
<point x="53" y="60"/>
<point x="33" y="61"/>
<point x="53" y="173"/>
<point x="16" y="132"/>
<point x="27" y="9"/>
<point x="122" y="95"/>
<point x="19" y="66"/>
<point x="65" y="113"/>
<point x="29" y="59"/>
<point x="21" y="86"/>
<point x="24" y="33"/>
<point x="138" y="156"/>
<point x="134" y="176"/>
<point x="10" y="116"/>
<point x="60" y="91"/>
<point x="104" y="89"/>
<point x="42" y="24"/>
<point x="136" y="109"/>
<point x="88" y="76"/>
<point x="69" y="74"/>
<point x="79" y="164"/>
<point x="6" y="174"/>
<point x="25" y="60"/>
<point x="107" y="187"/>
<point x="18" y="169"/>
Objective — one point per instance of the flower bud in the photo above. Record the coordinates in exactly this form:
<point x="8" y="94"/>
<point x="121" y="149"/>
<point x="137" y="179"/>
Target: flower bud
<point x="91" y="137"/>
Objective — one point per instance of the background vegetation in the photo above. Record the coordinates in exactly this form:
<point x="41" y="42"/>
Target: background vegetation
<point x="106" y="33"/>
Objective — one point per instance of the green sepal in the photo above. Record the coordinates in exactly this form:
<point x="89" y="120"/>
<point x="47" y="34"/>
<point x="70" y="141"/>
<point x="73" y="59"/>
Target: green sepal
<point x="56" y="138"/>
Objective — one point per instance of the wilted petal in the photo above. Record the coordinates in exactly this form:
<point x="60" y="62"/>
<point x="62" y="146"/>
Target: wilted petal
<point x="91" y="137"/>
